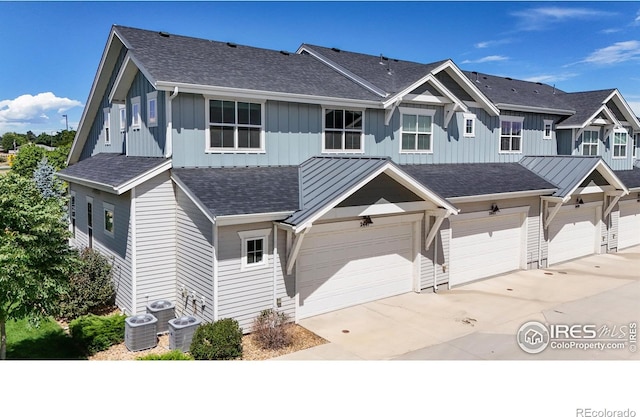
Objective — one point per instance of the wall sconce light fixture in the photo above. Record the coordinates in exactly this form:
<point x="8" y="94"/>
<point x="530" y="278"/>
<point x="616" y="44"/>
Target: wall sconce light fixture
<point x="366" y="221"/>
<point x="494" y="209"/>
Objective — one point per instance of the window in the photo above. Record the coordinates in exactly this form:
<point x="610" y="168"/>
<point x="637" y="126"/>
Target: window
<point x="107" y="126"/>
<point x="123" y="117"/>
<point x="590" y="141"/>
<point x="72" y="213"/>
<point x="108" y="218"/>
<point x="254" y="248"/>
<point x="135" y="113"/>
<point x="235" y="126"/>
<point x="90" y="221"/>
<point x="636" y="141"/>
<point x="342" y="131"/>
<point x="152" y="109"/>
<point x="548" y="129"/>
<point x="469" y="125"/>
<point x="511" y="134"/>
<point x="416" y="130"/>
<point x="620" y="144"/>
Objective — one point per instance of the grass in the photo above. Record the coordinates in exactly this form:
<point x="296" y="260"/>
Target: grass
<point x="47" y="341"/>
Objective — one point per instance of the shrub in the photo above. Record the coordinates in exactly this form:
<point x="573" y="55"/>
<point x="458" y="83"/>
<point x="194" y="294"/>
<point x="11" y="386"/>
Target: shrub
<point x="3" y="159"/>
<point x="174" y="355"/>
<point x="271" y="329"/>
<point x="218" y="340"/>
<point x="90" y="287"/>
<point x="96" y="333"/>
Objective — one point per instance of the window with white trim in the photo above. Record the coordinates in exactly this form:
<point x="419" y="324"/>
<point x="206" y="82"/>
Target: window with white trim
<point x="135" y="113"/>
<point x="469" y="126"/>
<point x="416" y="130"/>
<point x="255" y="248"/>
<point x="235" y="126"/>
<point x="152" y="109"/>
<point x="620" y="140"/>
<point x="636" y="141"/>
<point x="590" y="142"/>
<point x="511" y="134"/>
<point x="72" y="213"/>
<point x="548" y="129"/>
<point x="122" y="110"/>
<point x="343" y="130"/>
<point x="90" y="222"/>
<point x="108" y="211"/>
<point x="107" y="126"/>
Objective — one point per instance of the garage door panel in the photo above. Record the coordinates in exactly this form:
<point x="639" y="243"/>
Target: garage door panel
<point x="484" y="247"/>
<point x="572" y="234"/>
<point x="349" y="267"/>
<point x="629" y="225"/>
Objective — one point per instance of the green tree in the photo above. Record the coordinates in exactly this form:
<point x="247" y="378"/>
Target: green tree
<point x="35" y="257"/>
<point x="63" y="137"/>
<point x="45" y="180"/>
<point x="44" y="139"/>
<point x="58" y="156"/>
<point x="27" y="160"/>
<point x="10" y="139"/>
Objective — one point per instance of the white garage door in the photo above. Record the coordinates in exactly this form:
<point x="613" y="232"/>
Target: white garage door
<point x="572" y="234"/>
<point x="343" y="264"/>
<point x="629" y="225"/>
<point x="484" y="247"/>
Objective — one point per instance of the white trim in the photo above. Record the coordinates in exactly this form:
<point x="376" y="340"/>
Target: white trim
<point x="625" y="146"/>
<point x="343" y="130"/>
<point x="376" y="209"/>
<point x="416" y="250"/>
<point x="533" y="109"/>
<point x="511" y="119"/>
<point x="466" y="117"/>
<point x="108" y="207"/>
<point x="122" y="119"/>
<point x="411" y="111"/>
<point x="152" y="97"/>
<point x="608" y="174"/>
<point x="136" y="123"/>
<point x="168" y="106"/>
<point x="589" y="129"/>
<point x="252" y="218"/>
<point x="134" y="251"/>
<point x="245" y="237"/>
<point x="501" y="196"/>
<point x="486" y="213"/>
<point x="216" y="277"/>
<point x="275" y="265"/>
<point x="292" y="255"/>
<point x="236" y="125"/>
<point x="545" y="123"/>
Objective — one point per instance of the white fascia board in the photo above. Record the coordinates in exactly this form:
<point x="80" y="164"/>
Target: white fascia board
<point x="448" y="94"/>
<point x="611" y="116"/>
<point x="91" y="184"/>
<point x="472" y="89"/>
<point x="125" y="78"/>
<point x="364" y="83"/>
<point x="630" y="115"/>
<point x="209" y="90"/>
<point x="143" y="177"/>
<point x="194" y="199"/>
<point x="607" y="173"/>
<point x="531" y="109"/>
<point x="91" y="105"/>
<point x="501" y="196"/>
<point x="252" y="218"/>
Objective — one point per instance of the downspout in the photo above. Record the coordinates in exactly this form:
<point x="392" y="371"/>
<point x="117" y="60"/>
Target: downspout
<point x="540" y="232"/>
<point x="275" y="274"/>
<point x="134" y="252"/>
<point x="169" y="115"/>
<point x="435" y="264"/>
<point x="215" y="271"/>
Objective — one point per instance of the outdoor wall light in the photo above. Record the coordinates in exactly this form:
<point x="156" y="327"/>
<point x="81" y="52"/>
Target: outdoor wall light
<point x="494" y="209"/>
<point x="366" y="221"/>
<point x="638" y="199"/>
<point x="579" y="202"/>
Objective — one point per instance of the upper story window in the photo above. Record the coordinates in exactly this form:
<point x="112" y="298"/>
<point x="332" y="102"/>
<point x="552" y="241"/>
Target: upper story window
<point x="123" y="117"/>
<point x="620" y="139"/>
<point x="107" y="126"/>
<point x="511" y="134"/>
<point x="135" y="113"/>
<point x="235" y="126"/>
<point x="590" y="141"/>
<point x="417" y="130"/>
<point x="108" y="218"/>
<point x="342" y="130"/>
<point x="636" y="139"/>
<point x="469" y="126"/>
<point x="152" y="109"/>
<point x="548" y="129"/>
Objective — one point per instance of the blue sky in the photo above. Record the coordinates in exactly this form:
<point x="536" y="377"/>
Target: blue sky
<point x="50" y="51"/>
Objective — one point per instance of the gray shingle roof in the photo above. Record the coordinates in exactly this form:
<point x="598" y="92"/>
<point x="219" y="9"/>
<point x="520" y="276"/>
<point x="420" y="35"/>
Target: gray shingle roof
<point x="566" y="172"/>
<point x="110" y="169"/>
<point x="232" y="191"/>
<point x="401" y="75"/>
<point x="462" y="180"/>
<point x="630" y="177"/>
<point x="182" y="59"/>
<point x="585" y="104"/>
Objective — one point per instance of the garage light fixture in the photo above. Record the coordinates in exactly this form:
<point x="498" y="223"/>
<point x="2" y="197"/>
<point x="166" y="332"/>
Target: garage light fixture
<point x="494" y="209"/>
<point x="579" y="202"/>
<point x="366" y="221"/>
<point x="638" y="199"/>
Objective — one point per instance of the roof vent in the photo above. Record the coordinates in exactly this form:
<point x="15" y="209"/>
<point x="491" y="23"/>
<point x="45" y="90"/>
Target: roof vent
<point x="383" y="58"/>
<point x="335" y="49"/>
<point x="476" y="74"/>
<point x="231" y="45"/>
<point x="163" y="34"/>
<point x="285" y="53"/>
<point x="539" y="83"/>
<point x="514" y="90"/>
<point x="507" y="78"/>
<point x="536" y="91"/>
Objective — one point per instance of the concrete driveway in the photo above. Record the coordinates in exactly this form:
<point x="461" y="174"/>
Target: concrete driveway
<point x="481" y="320"/>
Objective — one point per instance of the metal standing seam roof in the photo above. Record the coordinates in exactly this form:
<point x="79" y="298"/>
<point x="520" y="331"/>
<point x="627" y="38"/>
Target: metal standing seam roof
<point x="110" y="169"/>
<point x="243" y="190"/>
<point x="566" y="172"/>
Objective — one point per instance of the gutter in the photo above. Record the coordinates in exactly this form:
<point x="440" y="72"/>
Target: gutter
<point x="169" y="117"/>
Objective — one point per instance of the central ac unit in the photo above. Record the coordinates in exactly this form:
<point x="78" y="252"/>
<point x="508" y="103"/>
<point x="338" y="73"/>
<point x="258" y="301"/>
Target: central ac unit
<point x="181" y="332"/>
<point x="164" y="311"/>
<point x="140" y="332"/>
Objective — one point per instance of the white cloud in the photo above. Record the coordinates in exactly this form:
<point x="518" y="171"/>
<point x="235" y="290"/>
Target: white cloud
<point x="614" y="54"/>
<point x="542" y="17"/>
<point x="488" y="44"/>
<point x="609" y="31"/>
<point x="490" y="58"/>
<point x="34" y="109"/>
<point x="635" y="106"/>
<point x="550" y="78"/>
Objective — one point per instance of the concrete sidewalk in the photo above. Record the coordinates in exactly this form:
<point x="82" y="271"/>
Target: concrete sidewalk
<point x="480" y="320"/>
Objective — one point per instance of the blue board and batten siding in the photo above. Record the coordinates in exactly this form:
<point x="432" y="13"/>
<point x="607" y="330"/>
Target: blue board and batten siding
<point x="293" y="133"/>
<point x="194" y="259"/>
<point x="146" y="141"/>
<point x="605" y="150"/>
